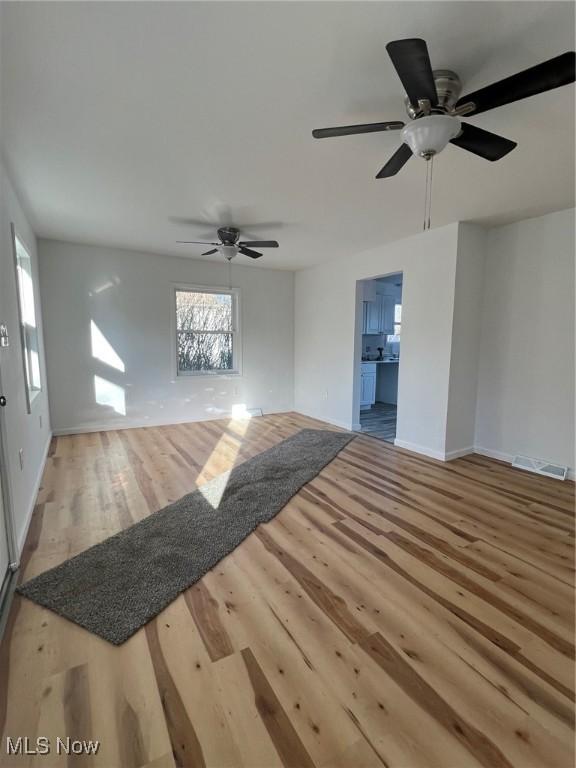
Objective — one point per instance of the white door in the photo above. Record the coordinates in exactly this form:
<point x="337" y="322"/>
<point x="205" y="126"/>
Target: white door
<point x="4" y="511"/>
<point x="4" y="555"/>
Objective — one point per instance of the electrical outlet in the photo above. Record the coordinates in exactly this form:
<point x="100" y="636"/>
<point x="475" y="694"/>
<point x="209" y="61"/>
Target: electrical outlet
<point x="21" y="457"/>
<point x="40" y="420"/>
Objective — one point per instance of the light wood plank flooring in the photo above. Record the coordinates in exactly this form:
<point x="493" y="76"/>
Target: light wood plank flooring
<point x="398" y="612"/>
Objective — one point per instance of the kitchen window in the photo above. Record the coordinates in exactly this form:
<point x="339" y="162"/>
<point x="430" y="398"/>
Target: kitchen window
<point x="27" y="316"/>
<point x="397" y="324"/>
<point x="207" y="336"/>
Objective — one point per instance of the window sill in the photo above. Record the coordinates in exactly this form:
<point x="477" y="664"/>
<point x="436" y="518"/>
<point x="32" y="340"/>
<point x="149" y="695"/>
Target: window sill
<point x="202" y="374"/>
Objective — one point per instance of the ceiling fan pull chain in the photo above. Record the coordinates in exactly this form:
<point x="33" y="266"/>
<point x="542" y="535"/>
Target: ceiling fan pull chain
<point x="430" y="190"/>
<point x="425" y="198"/>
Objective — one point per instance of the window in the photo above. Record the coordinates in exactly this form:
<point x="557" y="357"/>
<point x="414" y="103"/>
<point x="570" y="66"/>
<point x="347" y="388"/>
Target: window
<point x="397" y="324"/>
<point x="28" y="327"/>
<point x="206" y="331"/>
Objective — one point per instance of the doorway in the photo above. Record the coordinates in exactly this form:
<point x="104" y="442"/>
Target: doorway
<point x="381" y="319"/>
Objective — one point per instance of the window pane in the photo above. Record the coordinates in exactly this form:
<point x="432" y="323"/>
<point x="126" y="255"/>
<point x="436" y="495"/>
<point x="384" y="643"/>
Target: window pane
<point x="27" y="318"/>
<point x="205" y="351"/>
<point x="32" y="359"/>
<point x="197" y="311"/>
<point x="398" y="313"/>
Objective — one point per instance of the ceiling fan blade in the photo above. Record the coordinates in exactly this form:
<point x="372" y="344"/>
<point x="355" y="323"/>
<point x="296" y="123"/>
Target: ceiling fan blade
<point x="396" y="162"/>
<point x="192" y="222"/>
<point x="412" y="62"/>
<point x="196" y="242"/>
<point x="543" y="77"/>
<point x="349" y="130"/>
<point x="488" y="145"/>
<point x="248" y="252"/>
<point x="209" y="253"/>
<point x="259" y="243"/>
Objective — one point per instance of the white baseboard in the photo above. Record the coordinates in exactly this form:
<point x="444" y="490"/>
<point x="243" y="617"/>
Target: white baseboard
<point x="33" y="497"/>
<point x="460" y="452"/>
<point x="425" y="451"/>
<point x="433" y="454"/>
<point x="507" y="457"/>
<point x="342" y="424"/>
<point x="141" y="423"/>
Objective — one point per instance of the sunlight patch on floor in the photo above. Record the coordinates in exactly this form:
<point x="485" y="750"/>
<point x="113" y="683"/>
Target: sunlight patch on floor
<point x="223" y="457"/>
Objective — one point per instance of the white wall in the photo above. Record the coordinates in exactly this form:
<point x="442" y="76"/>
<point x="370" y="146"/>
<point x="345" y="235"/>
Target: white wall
<point x="466" y="325"/>
<point x="29" y="432"/>
<point x="129" y="296"/>
<point x="326" y="382"/>
<point x="526" y="376"/>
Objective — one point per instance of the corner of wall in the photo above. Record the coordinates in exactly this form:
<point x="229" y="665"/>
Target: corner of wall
<point x="466" y="336"/>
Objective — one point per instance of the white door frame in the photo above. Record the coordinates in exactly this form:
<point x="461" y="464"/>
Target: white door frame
<point x="6" y="489"/>
<point x="357" y="357"/>
<point x="8" y="579"/>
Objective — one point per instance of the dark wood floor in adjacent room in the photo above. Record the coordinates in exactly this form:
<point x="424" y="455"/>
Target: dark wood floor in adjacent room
<point x="398" y="612"/>
<point x="379" y="421"/>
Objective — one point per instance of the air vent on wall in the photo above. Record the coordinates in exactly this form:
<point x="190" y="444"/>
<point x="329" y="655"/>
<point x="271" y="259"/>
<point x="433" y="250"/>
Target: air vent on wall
<point x="540" y="467"/>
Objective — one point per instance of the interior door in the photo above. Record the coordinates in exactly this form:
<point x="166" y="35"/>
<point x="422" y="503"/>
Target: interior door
<point x="5" y="529"/>
<point x="4" y="554"/>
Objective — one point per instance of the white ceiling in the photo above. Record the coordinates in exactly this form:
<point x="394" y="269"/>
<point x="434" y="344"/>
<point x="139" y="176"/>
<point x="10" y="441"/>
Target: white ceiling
<point x="120" y="117"/>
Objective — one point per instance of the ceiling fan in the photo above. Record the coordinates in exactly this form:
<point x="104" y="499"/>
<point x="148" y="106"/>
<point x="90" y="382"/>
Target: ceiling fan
<point x="434" y="105"/>
<point x="230" y="245"/>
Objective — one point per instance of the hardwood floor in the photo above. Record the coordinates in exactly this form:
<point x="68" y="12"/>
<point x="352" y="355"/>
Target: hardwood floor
<point x="398" y="612"/>
<point x="380" y="421"/>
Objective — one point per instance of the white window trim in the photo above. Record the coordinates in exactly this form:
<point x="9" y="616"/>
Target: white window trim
<point x="30" y="394"/>
<point x="236" y="370"/>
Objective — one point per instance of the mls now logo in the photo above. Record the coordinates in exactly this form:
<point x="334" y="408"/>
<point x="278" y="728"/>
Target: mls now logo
<point x="22" y="745"/>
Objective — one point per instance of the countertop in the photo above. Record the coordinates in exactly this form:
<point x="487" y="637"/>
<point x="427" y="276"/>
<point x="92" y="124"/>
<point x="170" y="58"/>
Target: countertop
<point x="381" y="361"/>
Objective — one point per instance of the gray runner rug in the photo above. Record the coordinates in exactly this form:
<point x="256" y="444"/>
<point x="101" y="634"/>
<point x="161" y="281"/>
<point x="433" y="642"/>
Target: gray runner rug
<point x="115" y="587"/>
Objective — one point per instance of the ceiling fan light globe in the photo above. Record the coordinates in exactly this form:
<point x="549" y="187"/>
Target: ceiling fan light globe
<point x="427" y="136"/>
<point x="228" y="251"/>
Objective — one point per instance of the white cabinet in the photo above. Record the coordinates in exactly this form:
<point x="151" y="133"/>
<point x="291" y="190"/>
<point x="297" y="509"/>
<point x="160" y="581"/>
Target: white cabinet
<point x="369" y="290"/>
<point x="367" y="385"/>
<point x="378" y="315"/>
<point x="372" y="316"/>
<point x="388" y="304"/>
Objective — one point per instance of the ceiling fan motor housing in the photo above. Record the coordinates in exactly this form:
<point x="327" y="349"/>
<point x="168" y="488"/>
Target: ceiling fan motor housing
<point x="448" y="89"/>
<point x="427" y="134"/>
<point x="229" y="235"/>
